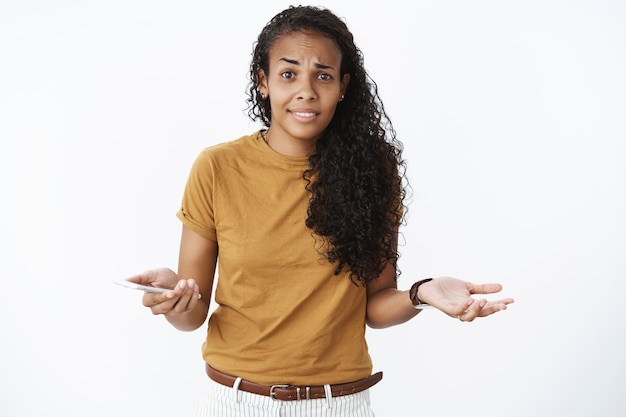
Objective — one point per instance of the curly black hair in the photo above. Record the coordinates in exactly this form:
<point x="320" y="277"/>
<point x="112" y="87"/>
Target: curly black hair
<point x="356" y="177"/>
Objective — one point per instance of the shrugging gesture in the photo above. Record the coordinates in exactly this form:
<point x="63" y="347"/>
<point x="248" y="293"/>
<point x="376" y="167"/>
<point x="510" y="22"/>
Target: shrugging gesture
<point x="454" y="297"/>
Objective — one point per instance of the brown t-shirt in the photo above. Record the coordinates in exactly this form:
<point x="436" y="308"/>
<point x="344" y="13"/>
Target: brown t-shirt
<point x="283" y="317"/>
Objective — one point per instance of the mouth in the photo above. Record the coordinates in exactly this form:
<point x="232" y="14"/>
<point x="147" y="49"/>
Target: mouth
<point x="304" y="116"/>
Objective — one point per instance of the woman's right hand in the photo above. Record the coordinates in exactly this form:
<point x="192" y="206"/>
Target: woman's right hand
<point x="182" y="298"/>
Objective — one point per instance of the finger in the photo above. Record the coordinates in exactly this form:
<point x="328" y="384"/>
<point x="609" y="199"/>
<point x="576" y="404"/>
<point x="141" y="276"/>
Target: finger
<point x="457" y="311"/>
<point x="159" y="303"/>
<point x="473" y="311"/>
<point x="456" y="307"/>
<point x="485" y="288"/>
<point x="507" y="301"/>
<point x="495" y="306"/>
<point x="145" y="278"/>
<point x="151" y="299"/>
<point x="190" y="294"/>
<point x="185" y="303"/>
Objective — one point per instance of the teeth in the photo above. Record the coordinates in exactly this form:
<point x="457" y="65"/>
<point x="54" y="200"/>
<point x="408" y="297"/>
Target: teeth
<point x="304" y="114"/>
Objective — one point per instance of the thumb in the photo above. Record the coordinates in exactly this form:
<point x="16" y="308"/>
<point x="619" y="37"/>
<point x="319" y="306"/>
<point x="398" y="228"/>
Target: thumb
<point x="145" y="278"/>
<point x="485" y="288"/>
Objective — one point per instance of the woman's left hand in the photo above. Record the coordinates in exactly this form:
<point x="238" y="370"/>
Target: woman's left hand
<point x="454" y="297"/>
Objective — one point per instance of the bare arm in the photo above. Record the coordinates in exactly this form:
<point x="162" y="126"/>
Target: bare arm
<point x="186" y="306"/>
<point x="197" y="260"/>
<point x="387" y="306"/>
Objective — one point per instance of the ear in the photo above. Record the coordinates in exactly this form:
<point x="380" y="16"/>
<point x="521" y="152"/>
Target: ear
<point x="263" y="89"/>
<point x="343" y="86"/>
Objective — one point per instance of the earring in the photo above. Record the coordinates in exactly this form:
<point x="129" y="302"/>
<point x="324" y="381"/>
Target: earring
<point x="262" y="95"/>
<point x="342" y="97"/>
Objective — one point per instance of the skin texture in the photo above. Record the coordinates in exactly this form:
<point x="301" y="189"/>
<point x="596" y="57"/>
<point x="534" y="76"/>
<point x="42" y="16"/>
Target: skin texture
<point x="304" y="86"/>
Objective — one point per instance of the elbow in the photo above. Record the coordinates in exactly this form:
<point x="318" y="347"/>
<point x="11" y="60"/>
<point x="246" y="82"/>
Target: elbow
<point x="383" y="321"/>
<point x="377" y="323"/>
<point x="376" y="317"/>
<point x="186" y="327"/>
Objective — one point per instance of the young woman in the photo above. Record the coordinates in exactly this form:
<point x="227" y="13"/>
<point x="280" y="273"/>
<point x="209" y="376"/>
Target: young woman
<point x="300" y="220"/>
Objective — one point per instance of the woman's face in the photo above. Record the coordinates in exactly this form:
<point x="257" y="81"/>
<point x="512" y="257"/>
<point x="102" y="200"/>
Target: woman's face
<point x="304" y="85"/>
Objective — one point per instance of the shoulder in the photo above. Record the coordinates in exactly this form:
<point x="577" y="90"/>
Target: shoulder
<point x="230" y="149"/>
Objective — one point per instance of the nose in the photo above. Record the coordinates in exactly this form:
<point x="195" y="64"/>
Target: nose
<point x="306" y="90"/>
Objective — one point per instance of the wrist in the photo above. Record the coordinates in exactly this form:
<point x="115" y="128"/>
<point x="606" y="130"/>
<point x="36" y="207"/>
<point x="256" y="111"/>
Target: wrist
<point x="414" y="294"/>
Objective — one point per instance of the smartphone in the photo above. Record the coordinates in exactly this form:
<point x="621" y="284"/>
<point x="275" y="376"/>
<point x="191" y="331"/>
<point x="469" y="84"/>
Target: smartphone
<point x="146" y="288"/>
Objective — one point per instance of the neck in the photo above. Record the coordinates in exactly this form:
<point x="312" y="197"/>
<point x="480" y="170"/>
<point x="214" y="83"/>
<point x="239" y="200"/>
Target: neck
<point x="291" y="148"/>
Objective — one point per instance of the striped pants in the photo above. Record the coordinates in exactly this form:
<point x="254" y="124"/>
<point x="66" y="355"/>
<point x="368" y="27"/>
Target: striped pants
<point x="223" y="401"/>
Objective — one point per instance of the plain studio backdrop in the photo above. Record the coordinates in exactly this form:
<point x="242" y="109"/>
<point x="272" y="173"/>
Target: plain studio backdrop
<point x="512" y="116"/>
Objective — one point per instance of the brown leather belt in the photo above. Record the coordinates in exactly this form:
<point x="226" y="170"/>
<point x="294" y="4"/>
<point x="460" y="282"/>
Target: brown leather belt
<point x="294" y="392"/>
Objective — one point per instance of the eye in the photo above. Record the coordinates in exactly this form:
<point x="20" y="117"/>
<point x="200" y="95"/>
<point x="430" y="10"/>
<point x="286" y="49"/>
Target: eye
<point x="325" y="76"/>
<point x="287" y="75"/>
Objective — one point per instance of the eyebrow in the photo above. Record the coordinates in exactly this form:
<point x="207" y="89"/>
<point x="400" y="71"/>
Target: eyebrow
<point x="295" y="62"/>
